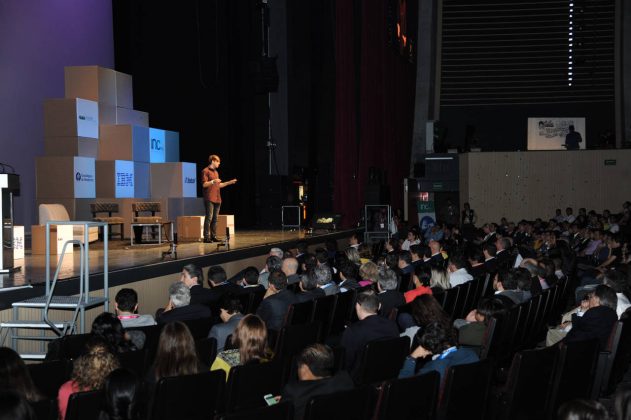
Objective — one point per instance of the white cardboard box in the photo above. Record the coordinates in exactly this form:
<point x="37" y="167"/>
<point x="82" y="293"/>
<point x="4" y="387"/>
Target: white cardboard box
<point x="115" y="178"/>
<point x="90" y="82"/>
<point x="71" y="146"/>
<point x="157" y="139"/>
<point x="59" y="234"/>
<point x="65" y="177"/>
<point x="173" y="179"/>
<point x="124" y="142"/>
<point x="18" y="242"/>
<point x="111" y="115"/>
<point x="71" y="117"/>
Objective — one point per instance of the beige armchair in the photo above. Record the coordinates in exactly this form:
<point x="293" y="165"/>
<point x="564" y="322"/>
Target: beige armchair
<point x="57" y="212"/>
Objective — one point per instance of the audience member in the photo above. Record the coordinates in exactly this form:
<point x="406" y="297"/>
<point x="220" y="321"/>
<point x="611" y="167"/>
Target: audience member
<point x="425" y="310"/>
<point x="89" y="372"/>
<point x="583" y="410"/>
<point x="389" y="295"/>
<point x="421" y="279"/>
<point x="110" y="328"/>
<point x="272" y="263"/>
<point x="471" y="329"/>
<point x="122" y="396"/>
<point x="13" y="406"/>
<point x="348" y="275"/>
<point x="179" y="307"/>
<point x="274" y="306"/>
<point x="405" y="262"/>
<point x="15" y="377"/>
<point x="250" y="281"/>
<point x="126" y="306"/>
<point x="368" y="273"/>
<point x="369" y="327"/>
<point x="322" y="275"/>
<point x="308" y="289"/>
<point x="412" y="239"/>
<point x="316" y="376"/>
<point x="505" y="284"/>
<point x="476" y="261"/>
<point x="193" y="277"/>
<point x="457" y="272"/>
<point x="230" y="312"/>
<point x="598" y="320"/>
<point x="176" y="354"/>
<point x="290" y="268"/>
<point x="439" y="281"/>
<point x="439" y="343"/>
<point x="250" y="342"/>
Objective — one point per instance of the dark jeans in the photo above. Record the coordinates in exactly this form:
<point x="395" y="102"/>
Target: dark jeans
<point x="210" y="220"/>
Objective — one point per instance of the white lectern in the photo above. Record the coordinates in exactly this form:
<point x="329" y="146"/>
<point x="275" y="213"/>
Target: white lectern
<point x="9" y="186"/>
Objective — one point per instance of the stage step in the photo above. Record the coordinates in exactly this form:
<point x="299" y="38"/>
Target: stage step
<point x="32" y="324"/>
<point x="33" y="356"/>
<point x="61" y="302"/>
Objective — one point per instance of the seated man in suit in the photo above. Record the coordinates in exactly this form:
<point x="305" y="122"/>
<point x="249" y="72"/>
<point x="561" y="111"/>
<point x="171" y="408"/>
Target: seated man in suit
<point x="369" y="327"/>
<point x="405" y="262"/>
<point x="193" y="277"/>
<point x="348" y="275"/>
<point x="272" y="263"/>
<point x="274" y="306"/>
<point x="219" y="286"/>
<point x="490" y="262"/>
<point x="290" y="268"/>
<point x="315" y="377"/>
<point x="250" y="280"/>
<point x="324" y="279"/>
<point x="179" y="307"/>
<point x="230" y="312"/>
<point x="389" y="295"/>
<point x="506" y="286"/>
<point x="308" y="288"/>
<point x="503" y="254"/>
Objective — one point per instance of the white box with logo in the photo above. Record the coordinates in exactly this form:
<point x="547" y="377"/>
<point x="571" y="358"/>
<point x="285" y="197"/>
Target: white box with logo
<point x="115" y="178"/>
<point x="142" y="180"/>
<point x="171" y="146"/>
<point x="124" y="142"/>
<point x="71" y="146"/>
<point x="71" y="117"/>
<point x="65" y="177"/>
<point x="173" y="179"/>
<point x="18" y="242"/>
<point x="90" y="82"/>
<point x="157" y="141"/>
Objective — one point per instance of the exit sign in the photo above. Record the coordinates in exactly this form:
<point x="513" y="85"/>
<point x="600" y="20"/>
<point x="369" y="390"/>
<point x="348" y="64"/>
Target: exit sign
<point x="610" y="162"/>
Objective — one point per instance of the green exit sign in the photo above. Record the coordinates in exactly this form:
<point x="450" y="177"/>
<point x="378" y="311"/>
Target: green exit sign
<point x="610" y="162"/>
<point x="437" y="185"/>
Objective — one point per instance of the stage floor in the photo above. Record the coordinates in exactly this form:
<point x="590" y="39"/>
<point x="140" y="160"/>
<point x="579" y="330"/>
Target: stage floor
<point x="123" y="256"/>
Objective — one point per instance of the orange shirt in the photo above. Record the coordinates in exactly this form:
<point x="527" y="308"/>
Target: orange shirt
<point x="414" y="293"/>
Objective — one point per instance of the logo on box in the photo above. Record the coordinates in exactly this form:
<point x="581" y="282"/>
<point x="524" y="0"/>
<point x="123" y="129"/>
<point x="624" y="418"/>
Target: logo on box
<point x="124" y="179"/>
<point x="188" y="180"/>
<point x="84" y="177"/>
<point x="155" y="144"/>
<point x="86" y="118"/>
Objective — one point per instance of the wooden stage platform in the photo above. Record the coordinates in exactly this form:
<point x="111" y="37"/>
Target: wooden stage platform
<point x="133" y="263"/>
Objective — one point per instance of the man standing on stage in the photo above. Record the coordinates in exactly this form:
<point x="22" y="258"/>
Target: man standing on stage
<point x="212" y="197"/>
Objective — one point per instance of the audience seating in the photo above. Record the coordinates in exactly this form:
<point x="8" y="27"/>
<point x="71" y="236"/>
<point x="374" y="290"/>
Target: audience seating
<point x="450" y="299"/>
<point x="291" y="341"/>
<point x="465" y="393"/>
<point x="84" y="405"/>
<point x="252" y="300"/>
<point x="323" y="313"/>
<point x="411" y="398"/>
<point x="206" y="350"/>
<point x="300" y="313"/>
<point x="382" y="360"/>
<point x="248" y="384"/>
<point x="528" y="385"/>
<point x="67" y="347"/>
<point x="574" y="374"/>
<point x="284" y="410"/>
<point x="134" y="361"/>
<point x="188" y="397"/>
<point x="200" y="327"/>
<point x="45" y="409"/>
<point x="48" y="377"/>
<point x="619" y="361"/>
<point x="357" y="404"/>
<point x="344" y="306"/>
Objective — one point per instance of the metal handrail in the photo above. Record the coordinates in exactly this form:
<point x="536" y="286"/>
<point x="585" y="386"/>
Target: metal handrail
<point x="51" y="292"/>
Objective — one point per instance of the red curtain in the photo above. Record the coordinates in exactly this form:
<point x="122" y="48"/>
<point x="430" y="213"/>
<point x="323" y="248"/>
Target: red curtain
<point x="386" y="107"/>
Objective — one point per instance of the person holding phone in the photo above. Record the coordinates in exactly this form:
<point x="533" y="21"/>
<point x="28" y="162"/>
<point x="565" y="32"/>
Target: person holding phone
<point x="212" y="185"/>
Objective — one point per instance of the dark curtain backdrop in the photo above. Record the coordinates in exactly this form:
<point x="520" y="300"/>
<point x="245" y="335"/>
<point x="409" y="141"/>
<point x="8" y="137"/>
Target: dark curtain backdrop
<point x="374" y="106"/>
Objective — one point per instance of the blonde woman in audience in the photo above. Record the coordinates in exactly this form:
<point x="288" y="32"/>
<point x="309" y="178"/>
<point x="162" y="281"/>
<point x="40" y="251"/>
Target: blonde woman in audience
<point x="439" y="279"/>
<point x="368" y="273"/>
<point x="250" y="340"/>
<point x="88" y="373"/>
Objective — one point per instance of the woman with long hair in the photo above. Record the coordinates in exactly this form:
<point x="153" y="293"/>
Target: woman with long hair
<point x="88" y="373"/>
<point x="176" y="354"/>
<point x="439" y="280"/>
<point x="250" y="340"/>
<point x="368" y="273"/>
<point x="353" y="255"/>
<point x="425" y="310"/>
<point x="109" y="327"/>
<point x="14" y="376"/>
<point x="122" y="398"/>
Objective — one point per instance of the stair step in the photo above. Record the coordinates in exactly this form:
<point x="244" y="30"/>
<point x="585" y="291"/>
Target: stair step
<point x="60" y="302"/>
<point x="33" y="356"/>
<point x="31" y="324"/>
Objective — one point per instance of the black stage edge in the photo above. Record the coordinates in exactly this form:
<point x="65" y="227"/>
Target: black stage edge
<point x="70" y="286"/>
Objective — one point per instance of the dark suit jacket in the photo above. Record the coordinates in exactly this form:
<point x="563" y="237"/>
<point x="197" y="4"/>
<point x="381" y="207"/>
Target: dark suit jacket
<point x="355" y="337"/>
<point x="390" y="299"/>
<point x="184" y="313"/>
<point x="300" y="392"/>
<point x="221" y="331"/>
<point x="505" y="259"/>
<point x="201" y="295"/>
<point x="294" y="278"/>
<point x="595" y="323"/>
<point x="274" y="308"/>
<point x="217" y="292"/>
<point x="491" y="265"/>
<point x="309" y="295"/>
<point x="478" y="271"/>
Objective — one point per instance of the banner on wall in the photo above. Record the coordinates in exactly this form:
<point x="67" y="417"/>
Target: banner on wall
<point x="548" y="133"/>
<point x="426" y="211"/>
